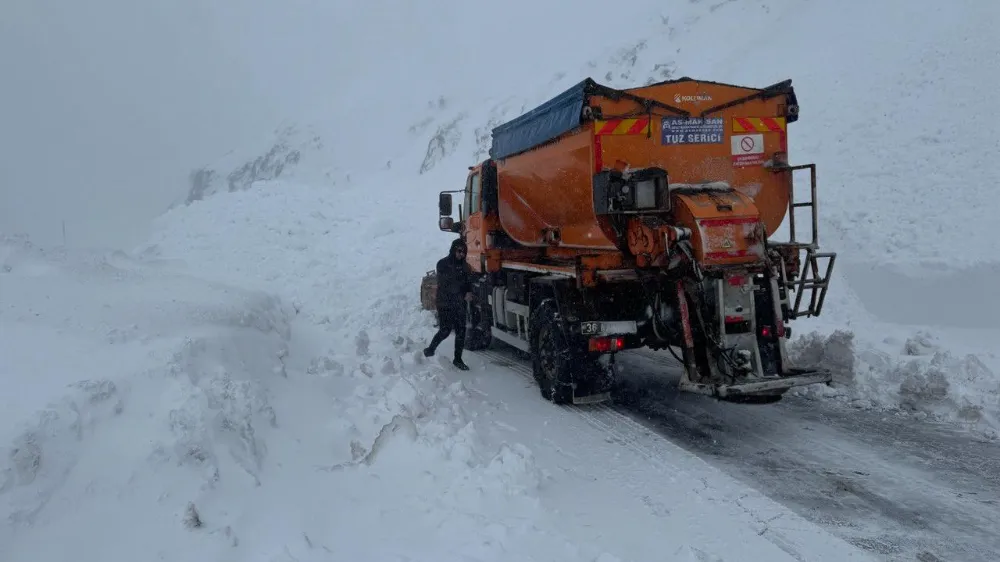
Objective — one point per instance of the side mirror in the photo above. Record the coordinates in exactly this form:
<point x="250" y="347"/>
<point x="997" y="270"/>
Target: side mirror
<point x="446" y="224"/>
<point x="444" y="204"/>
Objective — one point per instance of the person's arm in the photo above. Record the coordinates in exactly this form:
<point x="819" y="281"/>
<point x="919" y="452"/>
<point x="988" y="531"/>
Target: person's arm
<point x="467" y="282"/>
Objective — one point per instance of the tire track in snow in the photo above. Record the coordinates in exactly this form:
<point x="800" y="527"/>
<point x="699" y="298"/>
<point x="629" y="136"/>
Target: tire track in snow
<point x="658" y="450"/>
<point x="900" y="489"/>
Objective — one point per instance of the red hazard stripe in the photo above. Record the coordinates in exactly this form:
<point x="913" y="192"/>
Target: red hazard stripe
<point x="745" y="124"/>
<point x="609" y="127"/>
<point x="598" y="155"/>
<point x="771" y="124"/>
<point x="640" y="124"/>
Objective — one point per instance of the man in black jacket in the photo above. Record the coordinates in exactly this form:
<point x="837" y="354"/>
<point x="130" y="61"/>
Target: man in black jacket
<point x="454" y="289"/>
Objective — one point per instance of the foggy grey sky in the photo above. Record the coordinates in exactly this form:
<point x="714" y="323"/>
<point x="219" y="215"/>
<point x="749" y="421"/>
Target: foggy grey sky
<point x="106" y="106"/>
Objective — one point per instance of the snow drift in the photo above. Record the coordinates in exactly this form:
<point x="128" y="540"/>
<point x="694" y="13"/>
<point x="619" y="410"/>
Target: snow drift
<point x="185" y="411"/>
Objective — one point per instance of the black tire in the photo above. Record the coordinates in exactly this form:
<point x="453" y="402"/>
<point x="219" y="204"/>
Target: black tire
<point x="551" y="357"/>
<point x="477" y="335"/>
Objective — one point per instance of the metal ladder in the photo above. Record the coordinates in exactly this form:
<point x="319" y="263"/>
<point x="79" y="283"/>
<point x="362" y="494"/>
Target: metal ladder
<point x="808" y="278"/>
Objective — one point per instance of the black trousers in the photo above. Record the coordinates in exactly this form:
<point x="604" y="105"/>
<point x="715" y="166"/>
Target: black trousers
<point x="450" y="320"/>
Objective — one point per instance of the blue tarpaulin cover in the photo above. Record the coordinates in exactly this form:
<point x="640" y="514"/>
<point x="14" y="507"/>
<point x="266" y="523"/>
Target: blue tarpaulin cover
<point x="562" y="114"/>
<point x="546" y="122"/>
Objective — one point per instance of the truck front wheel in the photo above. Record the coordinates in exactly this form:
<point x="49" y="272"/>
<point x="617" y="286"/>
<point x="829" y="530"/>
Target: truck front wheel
<point x="478" y="336"/>
<point x="551" y="356"/>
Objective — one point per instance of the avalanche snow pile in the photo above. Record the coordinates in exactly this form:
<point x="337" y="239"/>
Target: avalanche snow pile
<point x="908" y="324"/>
<point x="140" y="391"/>
<point x="184" y="411"/>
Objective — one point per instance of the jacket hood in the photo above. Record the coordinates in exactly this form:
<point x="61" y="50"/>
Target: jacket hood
<point x="458" y="243"/>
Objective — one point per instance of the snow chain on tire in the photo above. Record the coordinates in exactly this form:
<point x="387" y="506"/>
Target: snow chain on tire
<point x="549" y="344"/>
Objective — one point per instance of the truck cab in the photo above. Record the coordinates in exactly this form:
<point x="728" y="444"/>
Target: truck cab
<point x="478" y="220"/>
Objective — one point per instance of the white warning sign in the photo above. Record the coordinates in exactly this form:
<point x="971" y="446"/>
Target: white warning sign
<point x="747" y="150"/>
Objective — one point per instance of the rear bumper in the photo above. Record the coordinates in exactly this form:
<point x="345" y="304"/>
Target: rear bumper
<point x="760" y="387"/>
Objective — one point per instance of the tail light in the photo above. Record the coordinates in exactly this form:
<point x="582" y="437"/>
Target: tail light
<point x="737" y="325"/>
<point x="606" y="344"/>
<point x="765" y="331"/>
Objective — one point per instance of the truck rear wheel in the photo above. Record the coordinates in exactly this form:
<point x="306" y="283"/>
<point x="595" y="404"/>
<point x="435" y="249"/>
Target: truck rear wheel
<point x="552" y="356"/>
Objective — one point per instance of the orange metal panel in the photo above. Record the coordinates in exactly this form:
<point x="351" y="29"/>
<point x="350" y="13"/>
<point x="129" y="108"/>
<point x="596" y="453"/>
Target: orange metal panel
<point x="546" y="194"/>
<point x="551" y="188"/>
<point x="708" y="161"/>
<point x="720" y="237"/>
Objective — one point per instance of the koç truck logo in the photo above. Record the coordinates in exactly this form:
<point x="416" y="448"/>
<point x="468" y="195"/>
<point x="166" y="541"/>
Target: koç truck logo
<point x="695" y="98"/>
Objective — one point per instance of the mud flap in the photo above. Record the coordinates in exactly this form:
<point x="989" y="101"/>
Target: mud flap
<point x="762" y="387"/>
<point x="595" y="386"/>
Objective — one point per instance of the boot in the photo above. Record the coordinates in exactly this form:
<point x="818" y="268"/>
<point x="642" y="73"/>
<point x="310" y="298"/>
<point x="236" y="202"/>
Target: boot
<point x="460" y="365"/>
<point x="428" y="352"/>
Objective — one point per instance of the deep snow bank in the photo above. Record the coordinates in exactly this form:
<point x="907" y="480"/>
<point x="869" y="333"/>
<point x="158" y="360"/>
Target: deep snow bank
<point x="920" y="375"/>
<point x="125" y="390"/>
<point x="207" y="420"/>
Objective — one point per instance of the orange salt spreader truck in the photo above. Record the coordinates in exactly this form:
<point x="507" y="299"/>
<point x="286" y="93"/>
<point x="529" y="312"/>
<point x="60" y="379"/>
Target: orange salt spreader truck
<point x="606" y="220"/>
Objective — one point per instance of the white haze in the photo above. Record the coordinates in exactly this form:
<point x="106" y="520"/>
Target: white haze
<point x="106" y="106"/>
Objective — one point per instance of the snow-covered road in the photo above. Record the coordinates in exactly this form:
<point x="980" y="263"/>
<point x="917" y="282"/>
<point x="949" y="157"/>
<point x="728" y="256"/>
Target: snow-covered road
<point x="900" y="489"/>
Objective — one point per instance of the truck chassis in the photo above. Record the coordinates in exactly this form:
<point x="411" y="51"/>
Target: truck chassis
<point x="729" y="323"/>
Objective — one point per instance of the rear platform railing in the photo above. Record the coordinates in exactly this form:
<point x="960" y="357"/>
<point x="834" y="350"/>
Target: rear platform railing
<point x="810" y="269"/>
